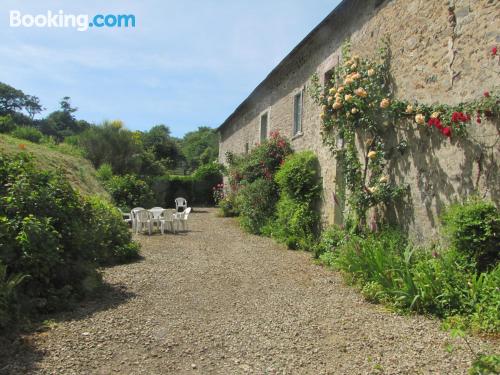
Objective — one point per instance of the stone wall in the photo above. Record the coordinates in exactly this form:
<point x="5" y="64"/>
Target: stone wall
<point x="438" y="55"/>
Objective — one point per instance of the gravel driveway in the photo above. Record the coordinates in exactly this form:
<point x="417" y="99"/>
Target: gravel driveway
<point x="218" y="301"/>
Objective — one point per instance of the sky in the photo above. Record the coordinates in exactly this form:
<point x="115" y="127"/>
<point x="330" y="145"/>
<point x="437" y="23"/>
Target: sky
<point x="186" y="63"/>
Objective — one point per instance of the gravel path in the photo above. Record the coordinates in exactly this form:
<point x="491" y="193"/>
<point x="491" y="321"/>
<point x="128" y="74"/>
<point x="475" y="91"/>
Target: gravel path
<point x="219" y="301"/>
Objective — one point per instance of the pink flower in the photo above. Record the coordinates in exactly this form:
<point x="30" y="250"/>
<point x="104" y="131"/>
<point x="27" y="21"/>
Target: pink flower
<point x="494" y="51"/>
<point x="486" y="94"/>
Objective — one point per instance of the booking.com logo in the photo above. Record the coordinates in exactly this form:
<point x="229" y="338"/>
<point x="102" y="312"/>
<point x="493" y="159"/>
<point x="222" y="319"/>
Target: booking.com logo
<point x="81" y="22"/>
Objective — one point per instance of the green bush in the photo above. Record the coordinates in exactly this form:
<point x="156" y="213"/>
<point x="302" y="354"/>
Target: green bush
<point x="227" y="205"/>
<point x="128" y="191"/>
<point x="294" y="224"/>
<point x="9" y="307"/>
<point x="111" y="239"/>
<point x="104" y="172"/>
<point x="256" y="203"/>
<point x="330" y="239"/>
<point x="28" y="133"/>
<point x="486" y="365"/>
<point x="262" y="162"/>
<point x="7" y="124"/>
<point x="445" y="283"/>
<point x="298" y="177"/>
<point x="51" y="234"/>
<point x="296" y="220"/>
<point x="473" y="228"/>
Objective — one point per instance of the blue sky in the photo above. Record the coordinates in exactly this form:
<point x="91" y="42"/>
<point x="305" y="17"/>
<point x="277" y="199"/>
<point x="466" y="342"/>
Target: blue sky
<point x="187" y="63"/>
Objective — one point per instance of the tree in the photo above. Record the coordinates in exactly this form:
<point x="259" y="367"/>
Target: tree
<point x="164" y="147"/>
<point x="32" y="106"/>
<point x="62" y="123"/>
<point x="11" y="99"/>
<point x="200" y="147"/>
<point x="113" y="144"/>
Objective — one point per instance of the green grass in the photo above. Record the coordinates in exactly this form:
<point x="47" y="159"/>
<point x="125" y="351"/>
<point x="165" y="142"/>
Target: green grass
<point x="79" y="172"/>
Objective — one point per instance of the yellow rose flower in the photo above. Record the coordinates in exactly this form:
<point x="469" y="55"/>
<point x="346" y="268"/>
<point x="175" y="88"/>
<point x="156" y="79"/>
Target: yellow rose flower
<point x="372" y="154"/>
<point x="361" y="92"/>
<point x="371" y="72"/>
<point x="348" y="81"/>
<point x="354" y="66"/>
<point x="337" y="105"/>
<point x="356" y="76"/>
<point x="330" y="99"/>
<point x="340" y="89"/>
<point x="372" y="189"/>
<point x="435" y="115"/>
<point x="323" y="116"/>
<point x="385" y="103"/>
<point x="332" y="91"/>
<point x="347" y="114"/>
<point x="348" y="98"/>
<point x="354" y="110"/>
<point x="409" y="108"/>
<point x="420" y="119"/>
<point x="383" y="179"/>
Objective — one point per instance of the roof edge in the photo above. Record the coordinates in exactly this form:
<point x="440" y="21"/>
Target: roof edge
<point x="284" y="61"/>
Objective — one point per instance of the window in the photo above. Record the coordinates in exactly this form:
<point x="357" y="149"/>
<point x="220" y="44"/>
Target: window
<point x="263" y="126"/>
<point x="329" y="78"/>
<point x="297" y="113"/>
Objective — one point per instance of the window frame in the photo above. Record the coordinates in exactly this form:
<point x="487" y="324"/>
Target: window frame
<point x="298" y="130"/>
<point x="267" y="113"/>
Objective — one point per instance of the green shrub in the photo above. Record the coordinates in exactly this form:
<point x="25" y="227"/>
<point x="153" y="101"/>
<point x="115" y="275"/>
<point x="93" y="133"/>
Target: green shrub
<point x="104" y="172"/>
<point x="486" y="365"/>
<point x="227" y="205"/>
<point x="298" y="177"/>
<point x="51" y="234"/>
<point x="256" y="203"/>
<point x="111" y="239"/>
<point x="262" y="162"/>
<point x="473" y="228"/>
<point x="330" y="239"/>
<point x="9" y="307"/>
<point x="7" y="124"/>
<point x="28" y="133"/>
<point x="294" y="224"/>
<point x="296" y="220"/>
<point x="444" y="283"/>
<point x="128" y="191"/>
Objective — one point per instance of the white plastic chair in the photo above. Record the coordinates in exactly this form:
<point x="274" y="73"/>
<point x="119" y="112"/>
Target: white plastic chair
<point x="132" y="216"/>
<point x="166" y="221"/>
<point x="144" y="219"/>
<point x="182" y="218"/>
<point x="156" y="211"/>
<point x="126" y="216"/>
<point x="180" y="203"/>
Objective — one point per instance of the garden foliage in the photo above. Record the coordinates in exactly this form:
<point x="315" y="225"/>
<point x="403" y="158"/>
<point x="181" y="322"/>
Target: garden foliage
<point x="52" y="239"/>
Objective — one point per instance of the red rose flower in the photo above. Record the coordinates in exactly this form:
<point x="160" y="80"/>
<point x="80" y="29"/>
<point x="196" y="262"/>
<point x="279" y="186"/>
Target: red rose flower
<point x="486" y="94"/>
<point x="446" y="132"/>
<point x="494" y="51"/>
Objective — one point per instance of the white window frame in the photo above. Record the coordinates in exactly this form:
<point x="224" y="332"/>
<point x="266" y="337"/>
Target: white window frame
<point x="298" y="132"/>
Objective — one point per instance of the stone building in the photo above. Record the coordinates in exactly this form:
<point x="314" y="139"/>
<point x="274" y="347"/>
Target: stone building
<point x="441" y="52"/>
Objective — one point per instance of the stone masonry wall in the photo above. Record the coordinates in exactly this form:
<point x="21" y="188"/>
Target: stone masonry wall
<point x="438" y="55"/>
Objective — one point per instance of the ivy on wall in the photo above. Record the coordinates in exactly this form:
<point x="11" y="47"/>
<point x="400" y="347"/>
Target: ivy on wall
<point x="358" y="107"/>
